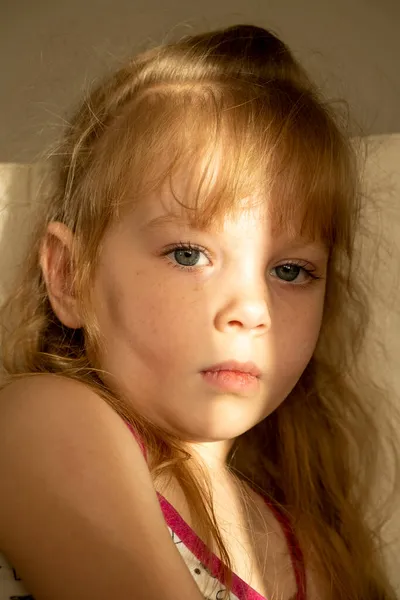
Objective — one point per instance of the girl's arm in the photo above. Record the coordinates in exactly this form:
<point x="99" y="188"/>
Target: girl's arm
<point x="79" y="516"/>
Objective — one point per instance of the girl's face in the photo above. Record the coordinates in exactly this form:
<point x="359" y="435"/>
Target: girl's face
<point x="167" y="314"/>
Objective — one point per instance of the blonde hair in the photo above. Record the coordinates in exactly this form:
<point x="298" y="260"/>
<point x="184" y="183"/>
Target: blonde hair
<point x="237" y="93"/>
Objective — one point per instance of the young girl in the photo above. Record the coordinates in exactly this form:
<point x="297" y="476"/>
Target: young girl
<point x="183" y="414"/>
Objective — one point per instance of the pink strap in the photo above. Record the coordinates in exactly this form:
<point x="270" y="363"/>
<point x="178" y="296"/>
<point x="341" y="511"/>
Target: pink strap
<point x="294" y="549"/>
<point x="138" y="439"/>
<point x="193" y="541"/>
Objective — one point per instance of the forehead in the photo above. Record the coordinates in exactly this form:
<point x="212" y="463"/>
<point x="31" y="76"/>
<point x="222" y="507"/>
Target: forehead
<point x="162" y="213"/>
<point x="215" y="157"/>
<point x="177" y="202"/>
<point x="203" y="199"/>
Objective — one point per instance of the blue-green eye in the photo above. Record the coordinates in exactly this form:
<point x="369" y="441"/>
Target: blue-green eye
<point x="190" y="257"/>
<point x="290" y="272"/>
<point x="187" y="256"/>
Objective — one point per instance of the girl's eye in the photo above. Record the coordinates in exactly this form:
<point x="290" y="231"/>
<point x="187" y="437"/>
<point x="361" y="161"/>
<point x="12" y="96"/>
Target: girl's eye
<point x="290" y="272"/>
<point x="187" y="256"/>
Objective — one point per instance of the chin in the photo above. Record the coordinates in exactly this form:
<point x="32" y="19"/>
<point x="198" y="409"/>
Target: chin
<point x="203" y="429"/>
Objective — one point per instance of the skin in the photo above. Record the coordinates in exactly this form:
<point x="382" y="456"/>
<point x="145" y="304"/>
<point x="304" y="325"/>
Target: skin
<point x="162" y="325"/>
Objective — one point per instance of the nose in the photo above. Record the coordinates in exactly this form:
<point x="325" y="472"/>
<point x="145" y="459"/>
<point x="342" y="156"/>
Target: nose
<point x="246" y="311"/>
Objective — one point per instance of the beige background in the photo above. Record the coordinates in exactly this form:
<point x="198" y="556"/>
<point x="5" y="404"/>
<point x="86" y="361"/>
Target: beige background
<point x="50" y="50"/>
<point x="382" y="183"/>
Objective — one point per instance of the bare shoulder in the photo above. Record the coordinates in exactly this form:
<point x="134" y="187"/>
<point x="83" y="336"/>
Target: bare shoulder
<point x="51" y="406"/>
<point x="62" y="433"/>
<point x="54" y="394"/>
<point x="79" y="515"/>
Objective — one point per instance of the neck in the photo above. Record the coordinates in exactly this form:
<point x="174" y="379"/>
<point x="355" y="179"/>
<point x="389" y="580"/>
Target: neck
<point x="212" y="455"/>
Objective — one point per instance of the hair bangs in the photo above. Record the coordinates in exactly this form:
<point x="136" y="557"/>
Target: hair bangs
<point x="312" y="177"/>
<point x="205" y="156"/>
<point x="219" y="148"/>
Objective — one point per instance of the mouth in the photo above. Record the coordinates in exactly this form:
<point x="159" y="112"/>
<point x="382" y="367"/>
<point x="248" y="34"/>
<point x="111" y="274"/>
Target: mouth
<point x="234" y="377"/>
<point x="245" y="368"/>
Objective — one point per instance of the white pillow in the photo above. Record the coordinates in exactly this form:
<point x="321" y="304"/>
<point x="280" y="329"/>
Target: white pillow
<point x="20" y="188"/>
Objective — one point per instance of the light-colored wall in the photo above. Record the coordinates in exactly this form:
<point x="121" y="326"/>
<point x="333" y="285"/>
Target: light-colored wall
<point x="382" y="184"/>
<point x="50" y="50"/>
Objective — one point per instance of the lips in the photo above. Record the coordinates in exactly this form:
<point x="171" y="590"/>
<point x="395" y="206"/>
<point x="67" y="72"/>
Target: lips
<point x="249" y="368"/>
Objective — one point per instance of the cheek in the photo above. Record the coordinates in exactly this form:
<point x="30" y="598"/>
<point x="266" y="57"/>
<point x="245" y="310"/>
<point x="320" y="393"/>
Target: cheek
<point x="295" y="351"/>
<point x="301" y="327"/>
<point x="150" y="315"/>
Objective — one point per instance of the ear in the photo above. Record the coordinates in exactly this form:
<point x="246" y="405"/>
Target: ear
<point x="57" y="268"/>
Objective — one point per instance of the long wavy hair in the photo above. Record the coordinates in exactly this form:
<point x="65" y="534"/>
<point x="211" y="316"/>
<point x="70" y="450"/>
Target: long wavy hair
<point x="236" y="93"/>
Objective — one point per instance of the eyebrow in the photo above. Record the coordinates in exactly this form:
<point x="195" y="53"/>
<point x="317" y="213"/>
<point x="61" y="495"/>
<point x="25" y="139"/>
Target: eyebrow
<point x="303" y="243"/>
<point x="160" y="221"/>
<point x="163" y="220"/>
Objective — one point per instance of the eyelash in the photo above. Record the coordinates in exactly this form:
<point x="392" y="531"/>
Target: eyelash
<point x="195" y="247"/>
